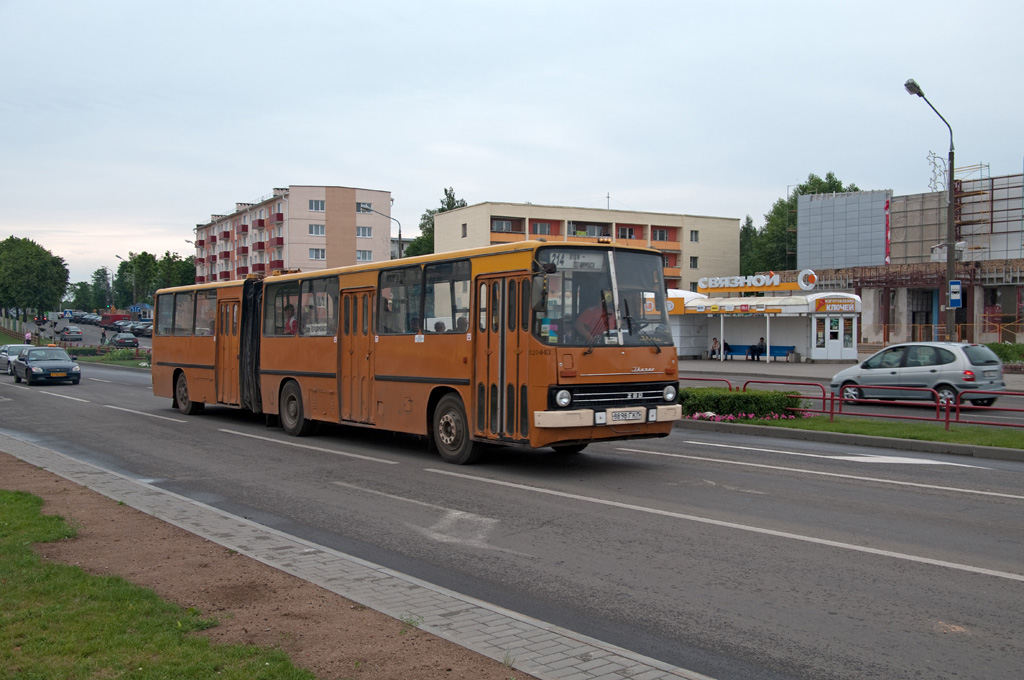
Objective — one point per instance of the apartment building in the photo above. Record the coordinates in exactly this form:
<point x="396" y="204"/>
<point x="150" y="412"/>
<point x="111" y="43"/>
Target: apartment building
<point x="297" y="227"/>
<point x="692" y="246"/>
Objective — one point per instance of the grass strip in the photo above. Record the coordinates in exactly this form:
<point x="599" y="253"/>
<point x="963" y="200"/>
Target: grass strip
<point x="978" y="435"/>
<point x="59" y="622"/>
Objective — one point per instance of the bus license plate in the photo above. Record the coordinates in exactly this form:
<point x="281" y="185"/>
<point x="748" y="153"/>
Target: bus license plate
<point x="58" y="375"/>
<point x="627" y="415"/>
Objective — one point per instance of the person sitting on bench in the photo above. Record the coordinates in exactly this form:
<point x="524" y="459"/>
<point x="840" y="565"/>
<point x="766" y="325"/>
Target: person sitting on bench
<point x="754" y="352"/>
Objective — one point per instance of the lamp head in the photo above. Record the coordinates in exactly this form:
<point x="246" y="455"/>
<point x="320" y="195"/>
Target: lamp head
<point x="913" y="87"/>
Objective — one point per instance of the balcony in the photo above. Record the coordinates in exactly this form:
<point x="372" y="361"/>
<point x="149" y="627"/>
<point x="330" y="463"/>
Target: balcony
<point x="241" y="271"/>
<point x="226" y="234"/>
<point x="276" y="218"/>
<point x="224" y="276"/>
<point x="213" y="239"/>
<point x="243" y="228"/>
<point x="200" y="279"/>
<point x="276" y="242"/>
<point x="200" y="260"/>
<point x="673" y="246"/>
<point x="242" y="250"/>
<point x="276" y="264"/>
<point x="506" y="237"/>
<point x="672" y="272"/>
<point x="200" y="243"/>
<point x="259" y="267"/>
<point x="260" y="245"/>
<point x="224" y="254"/>
<point x="259" y="224"/>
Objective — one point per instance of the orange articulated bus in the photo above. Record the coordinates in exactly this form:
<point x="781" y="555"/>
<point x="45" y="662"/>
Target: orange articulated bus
<point x="533" y="343"/>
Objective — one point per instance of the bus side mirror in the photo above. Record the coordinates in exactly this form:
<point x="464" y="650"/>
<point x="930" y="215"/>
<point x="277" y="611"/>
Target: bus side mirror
<point x="539" y="293"/>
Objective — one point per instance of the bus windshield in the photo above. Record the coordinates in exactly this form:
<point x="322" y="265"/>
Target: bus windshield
<point x="587" y="297"/>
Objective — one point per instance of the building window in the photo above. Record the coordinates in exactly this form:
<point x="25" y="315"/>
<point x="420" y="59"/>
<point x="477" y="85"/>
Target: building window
<point x="693" y="263"/>
<point x="542" y="228"/>
<point x="463" y="230"/>
<point x="316" y="230"/>
<point x="501" y="225"/>
<point x="665" y="262"/>
<point x="364" y="232"/>
<point x="364" y="256"/>
<point x="693" y="287"/>
<point x="314" y="206"/>
<point x="694" y="236"/>
<point x="626" y="232"/>
<point x="659" y="234"/>
<point x="318" y="253"/>
<point x="364" y="207"/>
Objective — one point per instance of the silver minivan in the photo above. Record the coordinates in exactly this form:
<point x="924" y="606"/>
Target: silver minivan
<point x="946" y="367"/>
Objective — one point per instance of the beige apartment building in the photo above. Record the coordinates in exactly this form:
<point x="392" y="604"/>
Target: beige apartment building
<point x="692" y="246"/>
<point x="298" y="227"/>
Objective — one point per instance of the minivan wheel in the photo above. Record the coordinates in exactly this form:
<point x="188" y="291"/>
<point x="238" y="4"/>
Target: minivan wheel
<point x="946" y="394"/>
<point x="850" y="392"/>
<point x="984" y="402"/>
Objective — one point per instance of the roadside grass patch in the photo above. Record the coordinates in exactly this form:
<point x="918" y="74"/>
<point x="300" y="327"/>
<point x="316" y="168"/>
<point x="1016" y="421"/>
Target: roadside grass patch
<point x="977" y="435"/>
<point x="57" y="622"/>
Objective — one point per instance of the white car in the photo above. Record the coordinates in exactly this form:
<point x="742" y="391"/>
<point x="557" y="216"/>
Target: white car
<point x="948" y="368"/>
<point x="7" y="354"/>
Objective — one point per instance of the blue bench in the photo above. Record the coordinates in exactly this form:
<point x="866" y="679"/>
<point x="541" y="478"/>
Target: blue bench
<point x="778" y="351"/>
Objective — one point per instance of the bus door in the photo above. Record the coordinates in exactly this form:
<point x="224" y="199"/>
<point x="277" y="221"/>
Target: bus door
<point x="227" y="352"/>
<point x="355" y="358"/>
<point x="500" y="376"/>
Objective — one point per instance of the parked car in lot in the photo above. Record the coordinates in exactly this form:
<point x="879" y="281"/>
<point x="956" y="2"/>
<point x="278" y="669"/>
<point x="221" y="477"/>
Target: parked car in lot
<point x="123" y="340"/>
<point x="8" y="353"/>
<point x="35" y="364"/>
<point x="946" y="367"/>
<point x="70" y="334"/>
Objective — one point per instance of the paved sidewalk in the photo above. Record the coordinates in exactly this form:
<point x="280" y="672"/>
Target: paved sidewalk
<point x="538" y="648"/>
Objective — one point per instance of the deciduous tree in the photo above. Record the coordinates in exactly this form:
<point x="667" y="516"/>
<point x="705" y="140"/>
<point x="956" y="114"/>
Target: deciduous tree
<point x="424" y="243"/>
<point x="31" y="277"/>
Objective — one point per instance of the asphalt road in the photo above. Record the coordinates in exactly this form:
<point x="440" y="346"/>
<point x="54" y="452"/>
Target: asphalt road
<point x="724" y="554"/>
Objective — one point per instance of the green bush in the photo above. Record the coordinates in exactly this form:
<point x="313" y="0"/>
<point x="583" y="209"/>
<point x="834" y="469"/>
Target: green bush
<point x="722" y="402"/>
<point x="1008" y="353"/>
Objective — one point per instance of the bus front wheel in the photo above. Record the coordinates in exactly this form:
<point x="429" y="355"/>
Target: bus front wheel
<point x="451" y="432"/>
<point x="185" y="405"/>
<point x="293" y="419"/>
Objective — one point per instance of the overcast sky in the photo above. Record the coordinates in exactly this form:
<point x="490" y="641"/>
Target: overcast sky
<point x="123" y="124"/>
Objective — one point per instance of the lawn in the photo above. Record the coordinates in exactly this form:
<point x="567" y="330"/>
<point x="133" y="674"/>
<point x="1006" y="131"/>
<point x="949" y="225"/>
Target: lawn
<point x="58" y="622"/>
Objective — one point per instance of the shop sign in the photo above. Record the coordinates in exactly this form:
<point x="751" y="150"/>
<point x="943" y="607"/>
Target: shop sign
<point x="834" y="305"/>
<point x="757" y="283"/>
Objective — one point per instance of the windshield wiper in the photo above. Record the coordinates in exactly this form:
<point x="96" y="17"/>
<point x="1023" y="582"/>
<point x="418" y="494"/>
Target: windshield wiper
<point x="639" y="329"/>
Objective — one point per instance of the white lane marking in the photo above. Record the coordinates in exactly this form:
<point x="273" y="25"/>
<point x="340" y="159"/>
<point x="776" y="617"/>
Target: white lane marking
<point x="456" y="526"/>
<point x="142" y="413"/>
<point x="311" y="448"/>
<point x="741" y="527"/>
<point x="859" y="458"/>
<point x="64" y="396"/>
<point x="98" y="380"/>
<point x="829" y="474"/>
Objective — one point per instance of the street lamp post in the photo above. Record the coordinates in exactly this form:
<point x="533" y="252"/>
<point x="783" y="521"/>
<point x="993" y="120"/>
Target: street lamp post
<point x="365" y="209"/>
<point x="913" y="88"/>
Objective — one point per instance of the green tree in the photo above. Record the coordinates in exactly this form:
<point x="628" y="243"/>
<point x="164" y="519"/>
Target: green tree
<point x="80" y="296"/>
<point x="172" y="270"/>
<point x="774" y="247"/>
<point x="102" y="295"/>
<point x="31" y="277"/>
<point x="748" y="235"/>
<point x="136" y="280"/>
<point x="424" y="243"/>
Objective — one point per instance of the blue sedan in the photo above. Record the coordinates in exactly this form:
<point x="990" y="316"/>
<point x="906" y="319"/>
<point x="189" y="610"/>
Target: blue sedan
<point x="45" y="363"/>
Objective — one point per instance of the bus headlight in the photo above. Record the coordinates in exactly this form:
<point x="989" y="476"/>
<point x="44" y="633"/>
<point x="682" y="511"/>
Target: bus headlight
<point x="670" y="393"/>
<point x="563" y="398"/>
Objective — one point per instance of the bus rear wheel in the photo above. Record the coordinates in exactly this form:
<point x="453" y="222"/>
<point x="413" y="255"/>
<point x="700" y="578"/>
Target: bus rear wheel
<point x="569" y="449"/>
<point x="451" y="432"/>
<point x="185" y="405"/>
<point x="293" y="419"/>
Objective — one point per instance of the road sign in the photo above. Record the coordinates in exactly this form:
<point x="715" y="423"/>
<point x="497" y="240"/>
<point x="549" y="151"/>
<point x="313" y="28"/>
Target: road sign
<point x="67" y="313"/>
<point x="137" y="309"/>
<point x="955" y="292"/>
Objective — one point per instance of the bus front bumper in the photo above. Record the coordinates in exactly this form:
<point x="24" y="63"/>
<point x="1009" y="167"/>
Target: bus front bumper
<point x="586" y="417"/>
